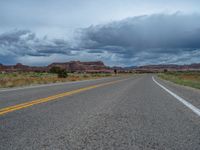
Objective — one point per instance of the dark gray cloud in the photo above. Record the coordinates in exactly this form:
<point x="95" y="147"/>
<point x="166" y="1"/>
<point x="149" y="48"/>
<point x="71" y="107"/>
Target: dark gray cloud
<point x="22" y="43"/>
<point x="151" y="38"/>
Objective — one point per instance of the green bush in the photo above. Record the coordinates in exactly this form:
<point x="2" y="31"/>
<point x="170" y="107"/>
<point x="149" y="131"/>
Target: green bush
<point x="55" y="69"/>
<point x="62" y="73"/>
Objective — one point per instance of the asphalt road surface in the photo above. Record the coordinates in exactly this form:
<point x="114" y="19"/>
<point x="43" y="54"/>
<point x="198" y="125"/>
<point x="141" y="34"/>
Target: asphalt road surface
<point x="119" y="113"/>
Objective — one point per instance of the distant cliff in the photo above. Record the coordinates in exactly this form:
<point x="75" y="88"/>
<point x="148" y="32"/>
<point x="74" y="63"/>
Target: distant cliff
<point x="168" y="67"/>
<point x="97" y="66"/>
<point x="72" y="66"/>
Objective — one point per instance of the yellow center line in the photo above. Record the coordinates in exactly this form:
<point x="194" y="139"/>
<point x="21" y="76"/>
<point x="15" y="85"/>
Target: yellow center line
<point x="51" y="98"/>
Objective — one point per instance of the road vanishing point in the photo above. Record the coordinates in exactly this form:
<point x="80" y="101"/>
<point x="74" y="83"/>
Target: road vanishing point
<point x="139" y="112"/>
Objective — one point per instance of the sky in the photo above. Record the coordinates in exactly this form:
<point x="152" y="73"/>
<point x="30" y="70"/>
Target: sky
<point x="117" y="32"/>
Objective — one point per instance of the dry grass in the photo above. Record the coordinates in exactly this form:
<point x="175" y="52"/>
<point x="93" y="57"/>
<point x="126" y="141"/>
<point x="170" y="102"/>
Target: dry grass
<point x="25" y="79"/>
<point x="187" y="78"/>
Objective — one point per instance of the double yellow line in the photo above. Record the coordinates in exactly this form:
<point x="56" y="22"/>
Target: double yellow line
<point x="51" y="98"/>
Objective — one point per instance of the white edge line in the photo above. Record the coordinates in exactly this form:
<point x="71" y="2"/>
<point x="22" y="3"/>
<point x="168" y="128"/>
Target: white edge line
<point x="187" y="104"/>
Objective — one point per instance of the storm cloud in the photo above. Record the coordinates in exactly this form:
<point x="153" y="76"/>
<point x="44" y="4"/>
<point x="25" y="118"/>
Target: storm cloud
<point x="147" y="39"/>
<point x="23" y="43"/>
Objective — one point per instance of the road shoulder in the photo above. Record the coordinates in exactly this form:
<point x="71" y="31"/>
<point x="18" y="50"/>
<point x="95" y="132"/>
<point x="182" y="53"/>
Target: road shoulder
<point x="192" y="95"/>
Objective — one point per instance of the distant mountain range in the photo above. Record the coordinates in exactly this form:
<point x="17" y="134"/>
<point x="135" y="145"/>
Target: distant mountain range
<point x="98" y="66"/>
<point x="171" y="67"/>
<point x="72" y="66"/>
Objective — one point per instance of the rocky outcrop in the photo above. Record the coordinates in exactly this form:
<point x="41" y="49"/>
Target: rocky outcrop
<point x="72" y="66"/>
<point x="97" y="67"/>
<point x="22" y="68"/>
<point x="168" y="67"/>
<point x="77" y="66"/>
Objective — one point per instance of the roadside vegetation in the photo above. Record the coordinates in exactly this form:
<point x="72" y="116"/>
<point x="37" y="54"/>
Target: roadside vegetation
<point x="186" y="78"/>
<point x="61" y="73"/>
<point x="18" y="79"/>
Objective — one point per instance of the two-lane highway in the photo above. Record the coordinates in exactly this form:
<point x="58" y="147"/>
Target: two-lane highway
<point x="113" y="113"/>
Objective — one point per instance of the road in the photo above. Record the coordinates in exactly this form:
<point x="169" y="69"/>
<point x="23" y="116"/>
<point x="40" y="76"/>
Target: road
<point x="129" y="113"/>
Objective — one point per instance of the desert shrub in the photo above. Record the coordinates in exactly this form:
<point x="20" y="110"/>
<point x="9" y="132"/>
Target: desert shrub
<point x="55" y="70"/>
<point x="86" y="76"/>
<point x="165" y="70"/>
<point x="62" y="74"/>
